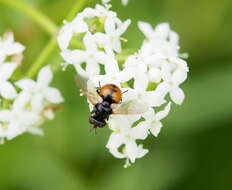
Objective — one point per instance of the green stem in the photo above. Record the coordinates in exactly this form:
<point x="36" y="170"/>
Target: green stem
<point x="51" y="46"/>
<point x="76" y="8"/>
<point x="40" y="61"/>
<point x="33" y="14"/>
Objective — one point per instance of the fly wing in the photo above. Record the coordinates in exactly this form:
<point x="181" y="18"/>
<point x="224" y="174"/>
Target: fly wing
<point x="81" y="82"/>
<point x="129" y="108"/>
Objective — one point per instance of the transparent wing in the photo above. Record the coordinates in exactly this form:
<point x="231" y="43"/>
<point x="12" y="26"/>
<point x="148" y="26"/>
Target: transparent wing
<point x="81" y="82"/>
<point x="129" y="107"/>
<point x="91" y="97"/>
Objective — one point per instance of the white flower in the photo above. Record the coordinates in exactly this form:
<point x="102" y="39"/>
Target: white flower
<point x="145" y="78"/>
<point x="152" y="119"/>
<point x="31" y="106"/>
<point x="162" y="39"/>
<point x="68" y="30"/>
<point x="141" y="152"/>
<point x="113" y="74"/>
<point x="171" y="84"/>
<point x="27" y="109"/>
<point x="7" y="90"/>
<point x="142" y="77"/>
<point x="93" y="40"/>
<point x="91" y="56"/>
<point x="111" y="39"/>
<point x="9" y="47"/>
<point x="162" y="50"/>
<point x="125" y="134"/>
<point x="17" y="120"/>
<point x="100" y="11"/>
<point x="40" y="90"/>
<point x="124" y="2"/>
<point x="79" y="25"/>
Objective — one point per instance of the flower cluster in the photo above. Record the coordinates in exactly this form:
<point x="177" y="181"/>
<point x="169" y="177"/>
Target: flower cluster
<point x="10" y="57"/>
<point x="100" y="31"/>
<point x="24" y="103"/>
<point x="150" y="77"/>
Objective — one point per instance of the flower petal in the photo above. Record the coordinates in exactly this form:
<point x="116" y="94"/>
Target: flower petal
<point x="155" y="129"/>
<point x="123" y="27"/>
<point x="179" y="76"/>
<point x="74" y="56"/>
<point x="111" y="66"/>
<point x="162" y="114"/>
<point x="26" y="84"/>
<point x="92" y="68"/>
<point x="110" y="25"/>
<point x="140" y="131"/>
<point x="35" y="131"/>
<point x="163" y="88"/>
<point x="149" y="115"/>
<point x="90" y="43"/>
<point x="6" y="70"/>
<point x="21" y="101"/>
<point x="146" y="29"/>
<point x="115" y="141"/>
<point x="5" y="115"/>
<point x="53" y="95"/>
<point x="9" y="47"/>
<point x="65" y="36"/>
<point x="116" y="43"/>
<point x="7" y="90"/>
<point x="131" y="150"/>
<point x="126" y="74"/>
<point x="141" y="82"/>
<point x="155" y="75"/>
<point x="13" y="130"/>
<point x="177" y="95"/>
<point x="162" y="30"/>
<point x="37" y="103"/>
<point x="141" y="151"/>
<point x="45" y="76"/>
<point x="28" y="119"/>
<point x="154" y="98"/>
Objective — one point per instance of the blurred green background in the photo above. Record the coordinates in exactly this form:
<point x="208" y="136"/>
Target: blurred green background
<point x="193" y="150"/>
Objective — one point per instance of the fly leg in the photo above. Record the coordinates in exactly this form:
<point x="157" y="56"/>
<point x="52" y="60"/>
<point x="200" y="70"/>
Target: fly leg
<point x="99" y="87"/>
<point x="93" y="130"/>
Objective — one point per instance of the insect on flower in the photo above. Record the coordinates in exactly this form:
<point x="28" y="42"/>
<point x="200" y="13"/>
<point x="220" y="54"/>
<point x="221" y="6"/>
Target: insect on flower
<point x="107" y="100"/>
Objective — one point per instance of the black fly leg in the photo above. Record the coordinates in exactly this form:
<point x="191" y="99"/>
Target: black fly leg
<point x="125" y="91"/>
<point x="99" y="87"/>
<point x="93" y="130"/>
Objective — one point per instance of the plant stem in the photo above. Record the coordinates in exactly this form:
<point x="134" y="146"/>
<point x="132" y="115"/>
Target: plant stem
<point x="76" y="8"/>
<point x="40" y="61"/>
<point x="33" y="14"/>
<point x="52" y="45"/>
